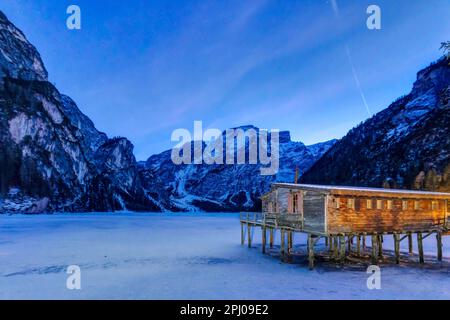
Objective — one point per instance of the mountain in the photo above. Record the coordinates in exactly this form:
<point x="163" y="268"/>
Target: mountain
<point x="406" y="145"/>
<point x="223" y="187"/>
<point x="52" y="158"/>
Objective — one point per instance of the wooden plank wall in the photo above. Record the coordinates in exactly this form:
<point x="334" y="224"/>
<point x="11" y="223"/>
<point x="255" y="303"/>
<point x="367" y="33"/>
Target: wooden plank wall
<point x="362" y="219"/>
<point x="314" y="211"/>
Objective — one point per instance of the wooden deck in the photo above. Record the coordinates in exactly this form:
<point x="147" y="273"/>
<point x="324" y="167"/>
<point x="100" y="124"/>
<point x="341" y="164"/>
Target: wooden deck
<point x="340" y="246"/>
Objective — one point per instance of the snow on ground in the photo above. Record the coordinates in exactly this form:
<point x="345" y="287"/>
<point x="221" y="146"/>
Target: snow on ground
<point x="183" y="256"/>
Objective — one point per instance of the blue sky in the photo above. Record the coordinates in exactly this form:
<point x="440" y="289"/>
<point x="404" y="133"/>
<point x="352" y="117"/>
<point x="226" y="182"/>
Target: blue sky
<point x="142" y="69"/>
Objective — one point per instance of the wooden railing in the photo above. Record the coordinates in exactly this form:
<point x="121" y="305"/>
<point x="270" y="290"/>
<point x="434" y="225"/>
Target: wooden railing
<point x="288" y="220"/>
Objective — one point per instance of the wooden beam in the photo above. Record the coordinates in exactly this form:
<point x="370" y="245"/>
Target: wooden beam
<point x="397" y="248"/>
<point x="264" y="234"/>
<point x="336" y="248"/>
<point x="358" y="245"/>
<point x="349" y="240"/>
<point x="290" y="242"/>
<point x="330" y="243"/>
<point x="271" y="237"/>
<point x="420" y="245"/>
<point x="364" y="243"/>
<point x="282" y="243"/>
<point x="380" y="246"/>
<point x="439" y="245"/>
<point x="242" y="234"/>
<point x="311" y="251"/>
<point x="249" y="235"/>
<point x="410" y="243"/>
<point x="374" y="249"/>
<point x="342" y="249"/>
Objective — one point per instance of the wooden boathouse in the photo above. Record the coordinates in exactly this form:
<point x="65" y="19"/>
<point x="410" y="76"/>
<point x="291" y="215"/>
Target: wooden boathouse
<point x="347" y="216"/>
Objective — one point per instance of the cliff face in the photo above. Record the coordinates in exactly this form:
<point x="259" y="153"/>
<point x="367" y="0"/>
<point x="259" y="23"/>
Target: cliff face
<point x="52" y="158"/>
<point x="406" y="145"/>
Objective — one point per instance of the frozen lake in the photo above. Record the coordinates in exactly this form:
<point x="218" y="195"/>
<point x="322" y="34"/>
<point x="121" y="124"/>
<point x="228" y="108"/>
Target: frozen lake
<point x="183" y="256"/>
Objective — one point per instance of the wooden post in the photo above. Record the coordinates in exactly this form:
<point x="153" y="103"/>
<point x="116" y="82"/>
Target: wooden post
<point x="420" y="246"/>
<point x="349" y="239"/>
<point x="330" y="243"/>
<point x="249" y="235"/>
<point x="282" y="243"/>
<point x="397" y="248"/>
<point x="271" y="238"/>
<point x="336" y="248"/>
<point x="410" y="243"/>
<point x="326" y="241"/>
<point x="374" y="249"/>
<point x="263" y="239"/>
<point x="342" y="244"/>
<point x="358" y="245"/>
<point x="289" y="242"/>
<point x="380" y="246"/>
<point x="242" y="234"/>
<point x="364" y="243"/>
<point x="310" y="251"/>
<point x="439" y="245"/>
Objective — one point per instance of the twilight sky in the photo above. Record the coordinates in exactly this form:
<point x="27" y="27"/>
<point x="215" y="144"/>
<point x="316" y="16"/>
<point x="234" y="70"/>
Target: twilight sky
<point x="142" y="69"/>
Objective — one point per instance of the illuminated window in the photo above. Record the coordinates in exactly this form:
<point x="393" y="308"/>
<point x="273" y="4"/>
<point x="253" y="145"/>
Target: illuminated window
<point x="351" y="203"/>
<point x="405" y="205"/>
<point x="379" y="204"/>
<point x="390" y="205"/>
<point x="416" y="205"/>
<point x="369" y="204"/>
<point x="434" y="205"/>
<point x="337" y="203"/>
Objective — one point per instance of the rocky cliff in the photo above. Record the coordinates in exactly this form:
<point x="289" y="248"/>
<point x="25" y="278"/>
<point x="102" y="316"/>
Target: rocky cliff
<point x="406" y="145"/>
<point x="52" y="158"/>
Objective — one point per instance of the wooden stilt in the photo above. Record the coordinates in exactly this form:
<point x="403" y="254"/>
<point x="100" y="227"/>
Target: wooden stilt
<point x="364" y="243"/>
<point x="271" y="238"/>
<point x="242" y="234"/>
<point x="374" y="249"/>
<point x="410" y="243"/>
<point x="336" y="248"/>
<point x="289" y="242"/>
<point x="349" y="240"/>
<point x="439" y="245"/>
<point x="342" y="249"/>
<point x="264" y="234"/>
<point x="282" y="243"/>
<point x="420" y="246"/>
<point x="358" y="245"/>
<point x="330" y="244"/>
<point x="249" y="235"/>
<point x="380" y="246"/>
<point x="311" y="251"/>
<point x="326" y="241"/>
<point x="397" y="248"/>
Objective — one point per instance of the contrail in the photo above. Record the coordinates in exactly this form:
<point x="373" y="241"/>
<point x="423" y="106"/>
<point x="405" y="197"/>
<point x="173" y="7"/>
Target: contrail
<point x="335" y="8"/>
<point x="358" y="84"/>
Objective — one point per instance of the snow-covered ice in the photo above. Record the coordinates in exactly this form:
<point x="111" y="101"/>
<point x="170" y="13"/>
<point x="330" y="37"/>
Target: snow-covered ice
<point x="183" y="256"/>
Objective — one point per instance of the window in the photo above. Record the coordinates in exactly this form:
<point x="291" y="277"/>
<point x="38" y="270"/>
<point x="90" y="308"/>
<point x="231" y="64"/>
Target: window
<point x="369" y="204"/>
<point x="351" y="203"/>
<point x="295" y="203"/>
<point x="416" y="205"/>
<point x="434" y="205"/>
<point x="379" y="204"/>
<point x="405" y="205"/>
<point x="390" y="205"/>
<point x="337" y="203"/>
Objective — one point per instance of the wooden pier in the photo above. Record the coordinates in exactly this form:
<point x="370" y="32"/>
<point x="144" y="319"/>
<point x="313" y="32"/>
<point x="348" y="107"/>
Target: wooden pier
<point x="345" y="219"/>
